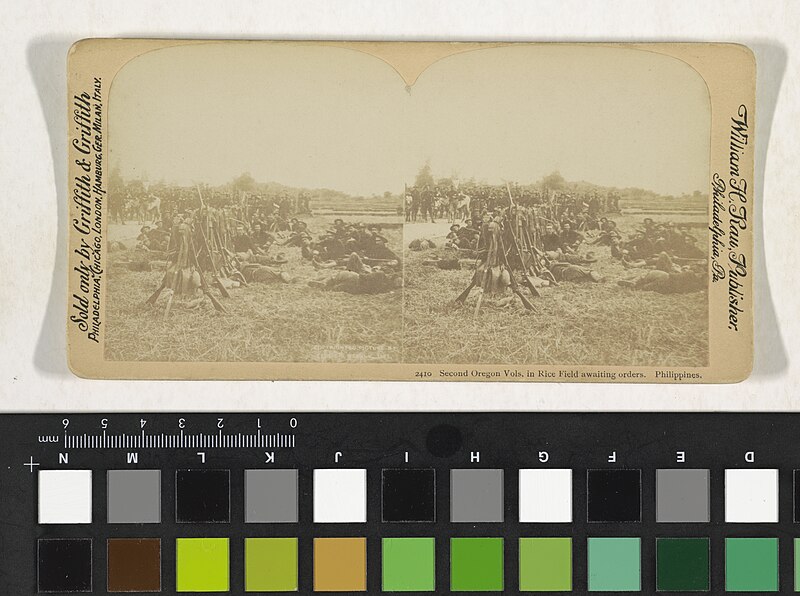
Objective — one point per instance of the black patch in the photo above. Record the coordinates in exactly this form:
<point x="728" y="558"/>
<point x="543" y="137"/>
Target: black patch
<point x="65" y="565"/>
<point x="614" y="495"/>
<point x="796" y="497"/>
<point x="202" y="496"/>
<point x="409" y="495"/>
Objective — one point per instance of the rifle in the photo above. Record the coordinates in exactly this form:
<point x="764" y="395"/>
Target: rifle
<point x="204" y="284"/>
<point x="527" y="282"/>
<point x="491" y="254"/>
<point x="515" y="287"/>
<point x="222" y="289"/>
<point x="463" y="295"/>
<point x="174" y="273"/>
<point x="510" y="196"/>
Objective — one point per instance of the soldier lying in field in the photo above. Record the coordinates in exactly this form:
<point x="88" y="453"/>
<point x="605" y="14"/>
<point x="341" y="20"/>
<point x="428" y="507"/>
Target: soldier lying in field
<point x="254" y="273"/>
<point x="667" y="283"/>
<point x="421" y="244"/>
<point x="575" y="273"/>
<point x="358" y="278"/>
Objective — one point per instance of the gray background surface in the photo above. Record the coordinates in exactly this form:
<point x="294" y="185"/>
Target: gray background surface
<point x="34" y="41"/>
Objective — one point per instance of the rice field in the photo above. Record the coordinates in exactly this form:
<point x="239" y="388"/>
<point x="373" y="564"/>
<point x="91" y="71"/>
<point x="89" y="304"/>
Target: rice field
<point x="263" y="323"/>
<point x="574" y="323"/>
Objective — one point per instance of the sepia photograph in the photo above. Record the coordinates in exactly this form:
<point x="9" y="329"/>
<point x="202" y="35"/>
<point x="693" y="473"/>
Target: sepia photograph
<point x="559" y="213"/>
<point x="254" y="211"/>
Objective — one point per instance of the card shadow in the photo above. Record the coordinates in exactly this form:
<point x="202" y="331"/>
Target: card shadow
<point x="769" y="351"/>
<point x="47" y="63"/>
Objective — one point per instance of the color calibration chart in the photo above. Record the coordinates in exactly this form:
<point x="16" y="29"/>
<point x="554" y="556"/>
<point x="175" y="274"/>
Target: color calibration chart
<point x="522" y="502"/>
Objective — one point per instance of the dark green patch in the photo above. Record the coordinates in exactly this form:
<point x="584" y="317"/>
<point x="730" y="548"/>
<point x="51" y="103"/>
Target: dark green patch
<point x="682" y="564"/>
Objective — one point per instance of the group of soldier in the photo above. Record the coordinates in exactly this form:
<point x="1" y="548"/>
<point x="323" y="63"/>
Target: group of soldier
<point x="562" y="236"/>
<point x="253" y="232"/>
<point x="665" y="258"/>
<point x="136" y="203"/>
<point x="563" y="229"/>
<point x="653" y="238"/>
<point x="155" y="238"/>
<point x="453" y="204"/>
<point x="347" y="257"/>
<point x="336" y="242"/>
<point x="343" y="239"/>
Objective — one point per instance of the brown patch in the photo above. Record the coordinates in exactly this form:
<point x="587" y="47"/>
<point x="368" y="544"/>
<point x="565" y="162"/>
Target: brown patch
<point x="340" y="564"/>
<point x="134" y="565"/>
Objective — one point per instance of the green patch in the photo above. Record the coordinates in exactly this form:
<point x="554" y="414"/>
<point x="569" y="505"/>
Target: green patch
<point x="614" y="564"/>
<point x="751" y="564"/>
<point x="545" y="564"/>
<point x="270" y="564"/>
<point x="476" y="564"/>
<point x="682" y="564"/>
<point x="408" y="565"/>
<point x="202" y="565"/>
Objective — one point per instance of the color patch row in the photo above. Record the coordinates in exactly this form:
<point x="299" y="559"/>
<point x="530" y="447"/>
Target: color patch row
<point x="408" y="565"/>
<point x="409" y="495"/>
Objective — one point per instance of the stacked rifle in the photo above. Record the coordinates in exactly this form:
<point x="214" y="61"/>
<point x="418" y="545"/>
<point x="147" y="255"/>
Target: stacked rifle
<point x="200" y="247"/>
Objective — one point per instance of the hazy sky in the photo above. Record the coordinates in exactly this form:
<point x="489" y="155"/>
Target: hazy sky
<point x="341" y="119"/>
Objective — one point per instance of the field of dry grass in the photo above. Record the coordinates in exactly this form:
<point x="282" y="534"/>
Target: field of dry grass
<point x="587" y="323"/>
<point x="574" y="323"/>
<point x="263" y="323"/>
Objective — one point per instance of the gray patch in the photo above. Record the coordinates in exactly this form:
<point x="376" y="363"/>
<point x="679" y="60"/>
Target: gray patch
<point x="476" y="495"/>
<point x="134" y="496"/>
<point x="682" y="496"/>
<point x="270" y="496"/>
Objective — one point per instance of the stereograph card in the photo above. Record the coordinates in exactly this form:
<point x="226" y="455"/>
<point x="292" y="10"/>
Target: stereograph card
<point x="410" y="211"/>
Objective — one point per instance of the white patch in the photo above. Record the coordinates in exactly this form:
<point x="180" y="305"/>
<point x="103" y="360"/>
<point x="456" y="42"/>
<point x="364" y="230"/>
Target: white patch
<point x="340" y="496"/>
<point x="545" y="495"/>
<point x="65" y="497"/>
<point x="751" y="496"/>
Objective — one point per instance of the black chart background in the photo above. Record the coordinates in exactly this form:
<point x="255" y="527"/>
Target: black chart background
<point x="375" y="441"/>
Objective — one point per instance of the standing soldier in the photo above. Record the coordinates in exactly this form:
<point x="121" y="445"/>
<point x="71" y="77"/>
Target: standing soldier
<point x="415" y="192"/>
<point x="117" y="207"/>
<point x="284" y="207"/>
<point x="141" y="207"/>
<point x="426" y="203"/>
